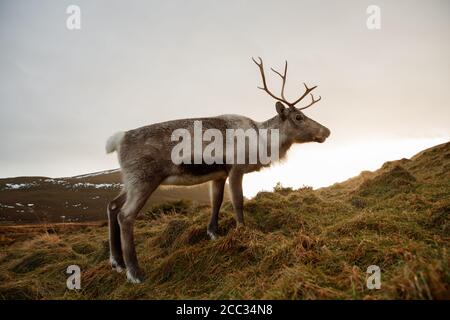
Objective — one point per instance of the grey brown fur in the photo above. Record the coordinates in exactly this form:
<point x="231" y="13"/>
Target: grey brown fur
<point x="145" y="159"/>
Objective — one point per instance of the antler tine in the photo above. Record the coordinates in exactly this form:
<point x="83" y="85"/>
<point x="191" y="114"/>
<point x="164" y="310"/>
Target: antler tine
<point x="312" y="102"/>
<point x="260" y="61"/>
<point x="265" y="88"/>
<point x="261" y="69"/>
<point x="283" y="77"/>
<point x="308" y="90"/>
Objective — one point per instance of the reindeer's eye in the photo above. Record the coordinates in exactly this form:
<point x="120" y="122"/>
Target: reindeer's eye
<point x="299" y="117"/>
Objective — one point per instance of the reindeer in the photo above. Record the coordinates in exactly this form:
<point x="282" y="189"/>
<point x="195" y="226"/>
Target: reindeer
<point x="145" y="159"/>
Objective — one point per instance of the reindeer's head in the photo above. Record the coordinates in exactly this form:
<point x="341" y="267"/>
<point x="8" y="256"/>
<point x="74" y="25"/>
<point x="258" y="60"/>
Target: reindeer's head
<point x="294" y="125"/>
<point x="298" y="127"/>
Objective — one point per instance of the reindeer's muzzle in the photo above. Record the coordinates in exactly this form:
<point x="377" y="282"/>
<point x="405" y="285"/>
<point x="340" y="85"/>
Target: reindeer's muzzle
<point x="324" y="133"/>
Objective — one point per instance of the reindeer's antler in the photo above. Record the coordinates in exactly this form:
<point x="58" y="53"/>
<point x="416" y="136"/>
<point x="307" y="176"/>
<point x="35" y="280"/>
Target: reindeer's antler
<point x="265" y="88"/>
<point x="312" y="101"/>
<point x="283" y="77"/>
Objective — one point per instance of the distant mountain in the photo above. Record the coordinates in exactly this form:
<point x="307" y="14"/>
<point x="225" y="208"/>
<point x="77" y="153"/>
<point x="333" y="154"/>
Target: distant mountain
<point x="78" y="198"/>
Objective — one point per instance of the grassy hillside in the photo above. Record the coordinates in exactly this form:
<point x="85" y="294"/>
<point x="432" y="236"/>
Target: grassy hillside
<point x="297" y="244"/>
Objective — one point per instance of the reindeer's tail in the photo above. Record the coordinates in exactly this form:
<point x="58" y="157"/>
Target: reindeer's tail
<point x="114" y="141"/>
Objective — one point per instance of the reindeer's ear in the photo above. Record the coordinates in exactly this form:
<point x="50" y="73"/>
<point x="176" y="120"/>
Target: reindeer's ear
<point x="281" y="109"/>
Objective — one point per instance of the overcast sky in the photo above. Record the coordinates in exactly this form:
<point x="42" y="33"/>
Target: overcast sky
<point x="385" y="93"/>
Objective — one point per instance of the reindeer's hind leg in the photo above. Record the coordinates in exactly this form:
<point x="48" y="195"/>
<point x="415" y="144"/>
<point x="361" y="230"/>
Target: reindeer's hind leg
<point x="115" y="249"/>
<point x="137" y="195"/>
<point x="217" y="187"/>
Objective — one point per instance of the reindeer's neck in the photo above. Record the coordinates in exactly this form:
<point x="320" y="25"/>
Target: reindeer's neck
<point x="285" y="142"/>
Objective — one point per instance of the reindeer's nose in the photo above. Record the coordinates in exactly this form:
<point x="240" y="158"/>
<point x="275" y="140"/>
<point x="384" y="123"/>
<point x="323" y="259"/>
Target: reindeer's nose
<point x="324" y="133"/>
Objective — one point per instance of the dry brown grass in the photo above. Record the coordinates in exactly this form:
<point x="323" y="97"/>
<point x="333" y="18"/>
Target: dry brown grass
<point x="298" y="244"/>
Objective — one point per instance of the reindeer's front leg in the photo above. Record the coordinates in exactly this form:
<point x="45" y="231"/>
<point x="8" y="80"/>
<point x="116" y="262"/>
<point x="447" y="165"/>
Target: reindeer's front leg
<point x="237" y="198"/>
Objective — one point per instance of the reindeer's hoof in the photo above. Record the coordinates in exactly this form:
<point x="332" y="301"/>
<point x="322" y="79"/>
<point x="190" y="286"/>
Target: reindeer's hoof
<point x="134" y="277"/>
<point x="116" y="265"/>
<point x="212" y="235"/>
<point x="240" y="226"/>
